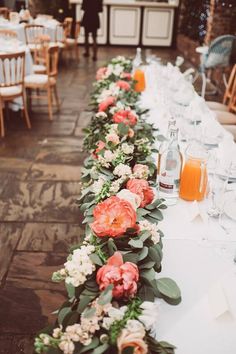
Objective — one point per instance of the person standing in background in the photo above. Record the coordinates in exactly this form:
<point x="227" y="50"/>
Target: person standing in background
<point x="91" y="23"/>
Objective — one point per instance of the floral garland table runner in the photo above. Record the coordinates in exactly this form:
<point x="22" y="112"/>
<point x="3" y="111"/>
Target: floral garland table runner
<point x="113" y="277"/>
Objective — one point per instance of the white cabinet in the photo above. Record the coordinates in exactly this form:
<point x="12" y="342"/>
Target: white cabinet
<point x="102" y="32"/>
<point x="125" y="25"/>
<point x="158" y="26"/>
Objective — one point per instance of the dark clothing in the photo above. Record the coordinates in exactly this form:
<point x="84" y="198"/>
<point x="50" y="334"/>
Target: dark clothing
<point x="90" y="20"/>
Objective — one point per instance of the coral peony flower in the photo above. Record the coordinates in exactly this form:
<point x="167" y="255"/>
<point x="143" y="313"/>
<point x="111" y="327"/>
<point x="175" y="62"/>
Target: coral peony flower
<point x="113" y="217"/>
<point x="130" y="133"/>
<point x="123" y="85"/>
<point x="125" y="116"/>
<point x="123" y="276"/>
<point x="109" y="101"/>
<point x="132" y="336"/>
<point x="133" y="198"/>
<point x="100" y="146"/>
<point x="141" y="187"/>
<point x="126" y="76"/>
<point x="100" y="73"/>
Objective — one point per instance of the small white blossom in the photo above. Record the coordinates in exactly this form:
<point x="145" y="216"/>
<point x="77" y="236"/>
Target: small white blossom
<point x="122" y="170"/>
<point x="108" y="156"/>
<point x="101" y="115"/>
<point x="127" y="148"/>
<point x="79" y="265"/>
<point x="66" y="345"/>
<point x="150" y="315"/>
<point x="132" y="198"/>
<point x="153" y="228"/>
<point x="97" y="185"/>
<point x="135" y="326"/>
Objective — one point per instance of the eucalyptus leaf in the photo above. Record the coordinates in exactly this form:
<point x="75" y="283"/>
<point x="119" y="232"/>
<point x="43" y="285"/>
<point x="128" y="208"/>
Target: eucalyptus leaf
<point x="96" y="259"/>
<point x="92" y="345"/>
<point x="101" y="349"/>
<point x="106" y="296"/>
<point x="168" y="288"/>
<point x="63" y="313"/>
<point x="136" y="243"/>
<point x="143" y="254"/>
<point x="70" y="290"/>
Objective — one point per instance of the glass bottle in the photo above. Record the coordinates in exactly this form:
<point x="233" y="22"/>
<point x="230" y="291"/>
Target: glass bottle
<point x="193" y="183"/>
<point x="170" y="169"/>
<point x="138" y="73"/>
<point x="165" y="143"/>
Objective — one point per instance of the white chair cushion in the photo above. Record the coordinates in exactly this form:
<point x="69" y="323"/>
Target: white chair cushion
<point x="70" y="40"/>
<point x="216" y="106"/>
<point x="33" y="46"/>
<point x="225" y="117"/>
<point x="38" y="80"/>
<point x="39" y="68"/>
<point x="11" y="91"/>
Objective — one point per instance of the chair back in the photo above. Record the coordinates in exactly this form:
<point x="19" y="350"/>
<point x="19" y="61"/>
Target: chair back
<point x="219" y="52"/>
<point x="230" y="85"/>
<point x="33" y="32"/>
<point x="60" y="33"/>
<point x="77" y="29"/>
<point x="232" y="101"/>
<point x="68" y="22"/>
<point x="41" y="49"/>
<point x="8" y="34"/>
<point x="4" y="12"/>
<point x="52" y="61"/>
<point x="12" y="69"/>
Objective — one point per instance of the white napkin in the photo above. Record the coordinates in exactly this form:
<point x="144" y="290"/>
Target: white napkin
<point x="217" y="300"/>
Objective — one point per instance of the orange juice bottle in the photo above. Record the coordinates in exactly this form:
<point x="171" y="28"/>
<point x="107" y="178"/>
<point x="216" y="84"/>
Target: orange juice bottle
<point x="138" y="73"/>
<point x="193" y="182"/>
<point x="139" y="77"/>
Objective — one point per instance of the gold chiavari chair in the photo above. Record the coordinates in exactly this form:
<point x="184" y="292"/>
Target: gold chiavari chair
<point x="32" y="33"/>
<point x="12" y="72"/>
<point x="40" y="54"/>
<point x="46" y="82"/>
<point x="72" y="43"/>
<point x="225" y="106"/>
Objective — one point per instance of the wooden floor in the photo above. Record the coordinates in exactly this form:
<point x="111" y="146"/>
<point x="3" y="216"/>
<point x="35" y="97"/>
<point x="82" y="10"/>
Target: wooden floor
<point x="39" y="220"/>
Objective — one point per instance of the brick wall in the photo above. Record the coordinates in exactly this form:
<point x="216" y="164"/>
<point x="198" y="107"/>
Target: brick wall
<point x="221" y="20"/>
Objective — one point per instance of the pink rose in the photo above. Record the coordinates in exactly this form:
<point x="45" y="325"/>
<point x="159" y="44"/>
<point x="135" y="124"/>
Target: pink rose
<point x="141" y="171"/>
<point x="124" y="276"/>
<point x="123" y="85"/>
<point x="142" y="188"/>
<point x="100" y="147"/>
<point x="100" y="73"/>
<point x="125" y="116"/>
<point x="109" y="101"/>
<point x="126" y="76"/>
<point x="114" y="138"/>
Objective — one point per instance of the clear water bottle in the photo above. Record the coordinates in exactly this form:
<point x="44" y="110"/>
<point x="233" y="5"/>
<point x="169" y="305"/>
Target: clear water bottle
<point x="165" y="143"/>
<point x="171" y="161"/>
<point x="137" y="62"/>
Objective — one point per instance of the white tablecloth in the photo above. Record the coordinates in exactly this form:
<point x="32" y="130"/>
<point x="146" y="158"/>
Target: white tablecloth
<point x="201" y="268"/>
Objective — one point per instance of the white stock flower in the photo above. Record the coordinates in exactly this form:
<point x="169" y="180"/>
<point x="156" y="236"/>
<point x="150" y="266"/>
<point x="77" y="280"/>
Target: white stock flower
<point x="115" y="186"/>
<point x="97" y="185"/>
<point x="122" y="170"/>
<point x="74" y="332"/>
<point x="57" y="332"/>
<point x="127" y="148"/>
<point x="66" y="345"/>
<point x="101" y="115"/>
<point x="152" y="227"/>
<point x="133" y="198"/>
<point x="150" y="315"/>
<point x="79" y="265"/>
<point x="135" y="326"/>
<point x="108" y="156"/>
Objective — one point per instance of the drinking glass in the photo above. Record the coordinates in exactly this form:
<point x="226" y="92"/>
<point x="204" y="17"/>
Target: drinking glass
<point x="227" y="218"/>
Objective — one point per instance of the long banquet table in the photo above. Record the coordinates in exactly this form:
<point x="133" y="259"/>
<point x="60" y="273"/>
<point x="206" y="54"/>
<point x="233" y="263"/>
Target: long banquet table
<point x="197" y="253"/>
